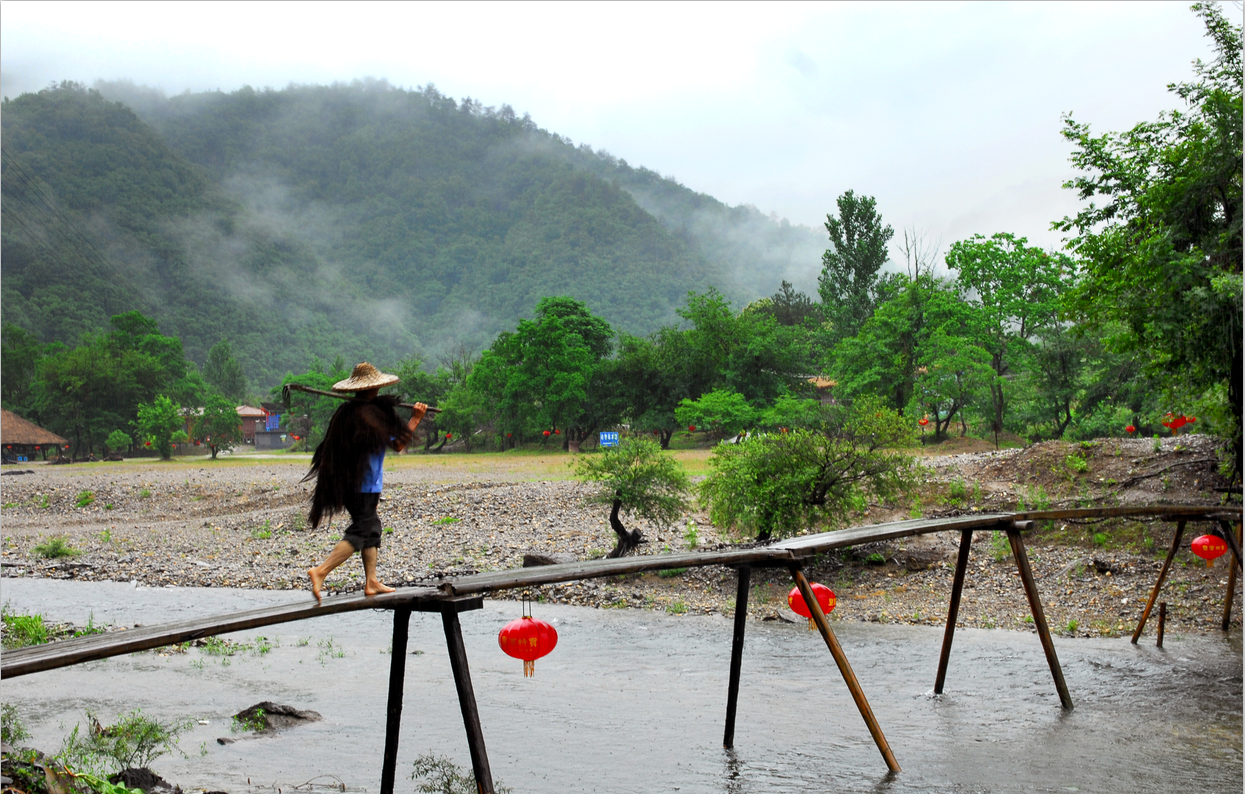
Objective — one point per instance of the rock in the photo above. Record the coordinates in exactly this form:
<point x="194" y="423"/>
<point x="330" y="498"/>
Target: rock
<point x="924" y="551"/>
<point x="225" y="740"/>
<point x="1105" y="566"/>
<point x="275" y="716"/>
<point x="142" y="778"/>
<point x="535" y="559"/>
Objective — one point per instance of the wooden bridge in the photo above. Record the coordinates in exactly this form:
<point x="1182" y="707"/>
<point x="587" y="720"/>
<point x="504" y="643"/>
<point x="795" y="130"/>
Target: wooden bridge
<point x="452" y="596"/>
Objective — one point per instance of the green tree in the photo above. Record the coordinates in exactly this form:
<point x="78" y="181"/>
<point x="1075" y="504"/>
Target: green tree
<point x="635" y="478"/>
<point x="219" y="426"/>
<point x="849" y="271"/>
<point x="1017" y="288"/>
<point x="223" y="372"/>
<point x="20" y="353"/>
<point x="1161" y="255"/>
<point x="158" y="421"/>
<point x="119" y="440"/>
<point x="721" y="412"/>
<point x="777" y="484"/>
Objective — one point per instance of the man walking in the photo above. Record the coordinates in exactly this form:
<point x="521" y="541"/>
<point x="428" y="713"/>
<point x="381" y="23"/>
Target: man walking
<point x="348" y="470"/>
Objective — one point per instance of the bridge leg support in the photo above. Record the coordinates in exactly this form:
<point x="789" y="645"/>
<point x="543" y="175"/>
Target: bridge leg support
<point x="467" y="700"/>
<point x="1233" y="543"/>
<point x="840" y="658"/>
<point x="393" y="712"/>
<point x="1039" y="616"/>
<point x="1158" y="584"/>
<point x="1227" y="599"/>
<point x="953" y="610"/>
<point x="737" y="652"/>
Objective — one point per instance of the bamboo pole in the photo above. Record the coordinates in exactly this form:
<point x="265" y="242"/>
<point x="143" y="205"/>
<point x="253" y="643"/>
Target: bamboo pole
<point x="1162" y="623"/>
<point x="1039" y="616"/>
<point x="953" y="610"/>
<point x="840" y="658"/>
<point x="737" y="653"/>
<point x="337" y="395"/>
<point x="1158" y="584"/>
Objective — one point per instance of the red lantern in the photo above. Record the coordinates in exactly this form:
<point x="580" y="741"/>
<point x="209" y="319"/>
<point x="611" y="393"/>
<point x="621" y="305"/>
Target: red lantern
<point x="825" y="599"/>
<point x="1209" y="548"/>
<point x="691" y="428"/>
<point x="528" y="639"/>
<point x="1174" y="423"/>
<point x="298" y="438"/>
<point x="145" y="444"/>
<point x="546" y="433"/>
<point x="923" y="421"/>
<point x="508" y="435"/>
<point x="448" y="436"/>
<point x="656" y="432"/>
<point x="557" y="432"/>
<point x="1130" y="430"/>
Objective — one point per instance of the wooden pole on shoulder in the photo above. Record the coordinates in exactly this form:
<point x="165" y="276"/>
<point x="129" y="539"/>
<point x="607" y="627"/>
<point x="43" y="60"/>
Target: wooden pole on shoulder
<point x="840" y="658"/>
<point x="1035" y="606"/>
<point x="737" y="653"/>
<point x="953" y="610"/>
<point x="1158" y="584"/>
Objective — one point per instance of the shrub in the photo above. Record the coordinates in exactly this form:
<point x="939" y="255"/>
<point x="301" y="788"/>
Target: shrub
<point x="54" y="549"/>
<point x="12" y="729"/>
<point x="440" y="775"/>
<point x="635" y="478"/>
<point x="779" y="484"/>
<point x="133" y="741"/>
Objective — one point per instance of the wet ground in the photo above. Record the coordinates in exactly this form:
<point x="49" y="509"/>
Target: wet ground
<point x="634" y="701"/>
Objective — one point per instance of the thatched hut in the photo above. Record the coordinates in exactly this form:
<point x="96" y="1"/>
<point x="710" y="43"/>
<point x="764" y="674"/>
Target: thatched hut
<point x="22" y="440"/>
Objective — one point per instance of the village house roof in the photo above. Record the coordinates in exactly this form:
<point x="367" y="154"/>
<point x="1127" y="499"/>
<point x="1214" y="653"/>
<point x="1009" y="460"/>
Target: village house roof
<point x="247" y="412"/>
<point x="16" y="430"/>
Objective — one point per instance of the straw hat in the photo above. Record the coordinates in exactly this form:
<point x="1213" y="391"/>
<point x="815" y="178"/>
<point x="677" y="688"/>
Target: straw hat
<point x="365" y="377"/>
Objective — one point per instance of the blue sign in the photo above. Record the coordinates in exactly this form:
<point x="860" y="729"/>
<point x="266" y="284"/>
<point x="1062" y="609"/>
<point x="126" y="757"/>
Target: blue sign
<point x="609" y="438"/>
<point x="273" y="423"/>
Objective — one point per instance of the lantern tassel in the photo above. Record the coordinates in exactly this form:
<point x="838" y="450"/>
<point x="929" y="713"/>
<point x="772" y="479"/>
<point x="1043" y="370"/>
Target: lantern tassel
<point x="529" y="668"/>
<point x="811" y="624"/>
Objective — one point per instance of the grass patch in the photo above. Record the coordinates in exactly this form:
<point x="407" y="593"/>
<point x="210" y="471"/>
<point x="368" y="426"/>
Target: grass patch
<point x="84" y="499"/>
<point x="23" y="630"/>
<point x="677" y="608"/>
<point x="670" y="573"/>
<point x="447" y="520"/>
<point x="54" y="549"/>
<point x="254" y="721"/>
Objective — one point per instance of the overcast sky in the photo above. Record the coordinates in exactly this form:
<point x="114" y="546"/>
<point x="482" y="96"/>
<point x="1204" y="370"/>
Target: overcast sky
<point x="947" y="113"/>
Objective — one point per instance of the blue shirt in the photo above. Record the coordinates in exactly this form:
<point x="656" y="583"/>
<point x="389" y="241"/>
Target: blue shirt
<point x="373" y="478"/>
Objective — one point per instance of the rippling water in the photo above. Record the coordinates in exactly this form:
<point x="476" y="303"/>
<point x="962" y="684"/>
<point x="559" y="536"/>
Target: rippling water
<point x="634" y="701"/>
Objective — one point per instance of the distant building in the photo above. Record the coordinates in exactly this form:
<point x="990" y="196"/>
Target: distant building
<point x="253" y="421"/>
<point x="23" y="440"/>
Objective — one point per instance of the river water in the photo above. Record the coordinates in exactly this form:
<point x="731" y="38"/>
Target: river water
<point x="633" y="701"/>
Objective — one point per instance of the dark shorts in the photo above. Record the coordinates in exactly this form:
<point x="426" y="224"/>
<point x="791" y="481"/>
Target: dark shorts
<point x="364" y="530"/>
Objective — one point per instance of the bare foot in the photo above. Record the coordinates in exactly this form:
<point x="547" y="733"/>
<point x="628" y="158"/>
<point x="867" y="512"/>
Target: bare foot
<point x="375" y="588"/>
<point x="317" y="579"/>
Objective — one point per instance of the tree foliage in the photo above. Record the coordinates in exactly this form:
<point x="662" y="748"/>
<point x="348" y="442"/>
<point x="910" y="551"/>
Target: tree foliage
<point x="779" y="484"/>
<point x="219" y="426"/>
<point x="849" y="270"/>
<point x="1162" y="252"/>
<point x="158" y="421"/>
<point x="635" y="478"/>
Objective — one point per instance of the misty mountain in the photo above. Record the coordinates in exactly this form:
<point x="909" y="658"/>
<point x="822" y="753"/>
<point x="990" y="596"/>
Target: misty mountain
<point x="359" y="220"/>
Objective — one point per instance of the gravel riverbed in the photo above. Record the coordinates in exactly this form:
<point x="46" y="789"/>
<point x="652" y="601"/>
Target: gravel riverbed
<point x="240" y="523"/>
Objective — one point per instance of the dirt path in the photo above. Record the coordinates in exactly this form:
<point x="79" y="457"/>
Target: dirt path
<point x="239" y="523"/>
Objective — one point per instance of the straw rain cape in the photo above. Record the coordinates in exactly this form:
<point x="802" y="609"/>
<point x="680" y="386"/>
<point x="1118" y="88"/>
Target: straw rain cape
<point x="357" y="430"/>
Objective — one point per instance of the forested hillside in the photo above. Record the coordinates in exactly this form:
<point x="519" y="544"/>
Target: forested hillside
<point x="359" y="220"/>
